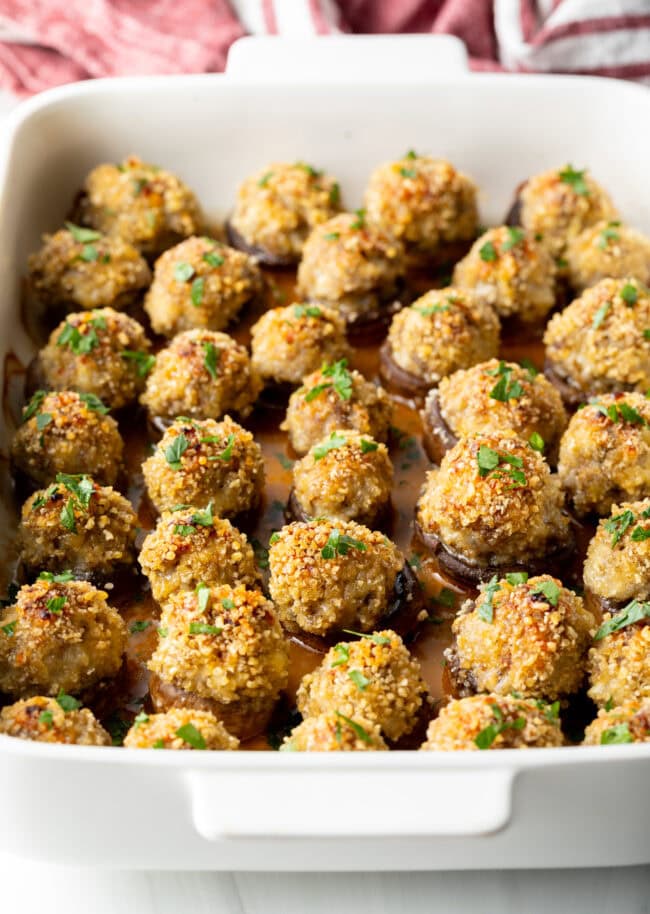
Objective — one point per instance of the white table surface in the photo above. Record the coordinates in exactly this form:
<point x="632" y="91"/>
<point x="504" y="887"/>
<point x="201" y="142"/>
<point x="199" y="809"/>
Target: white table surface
<point x="34" y="889"/>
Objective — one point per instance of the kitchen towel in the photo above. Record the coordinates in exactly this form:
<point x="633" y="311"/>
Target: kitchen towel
<point x="45" y="43"/>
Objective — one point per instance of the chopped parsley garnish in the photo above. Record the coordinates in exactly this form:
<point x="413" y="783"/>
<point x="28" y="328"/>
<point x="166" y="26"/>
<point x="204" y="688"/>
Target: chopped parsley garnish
<point x="639" y="534"/>
<point x="619" y="733"/>
<point x="34" y="404"/>
<point x="600" y="315"/>
<point x="619" y="524"/>
<point x="163" y="631"/>
<point x="411" y="154"/>
<point x="515" y="236"/>
<point x="141" y="718"/>
<point x="620" y="412"/>
<point x="80" y="486"/>
<point x="575" y="180"/>
<point x="330" y="444"/>
<point x="358" y="730"/>
<point x="505" y="389"/>
<point x="307" y="311"/>
<point x="360" y="681"/>
<point x="43" y="420"/>
<point x="67" y="702"/>
<point x="332" y="236"/>
<point x="196" y="291"/>
<point x="140" y="625"/>
<point x="360" y="221"/>
<point x="139" y="184"/>
<point x="369" y="636"/>
<point x="202" y="628"/>
<point x="488" y="735"/>
<point x="646" y="335"/>
<point x="9" y="628"/>
<point x="514" y="578"/>
<point x="82" y="235"/>
<point x="274" y="538"/>
<point x="629" y="294"/>
<point x="408" y="172"/>
<point x="67" y="516"/>
<point x="633" y="612"/>
<point x="46" y="718"/>
<point x="487" y="252"/>
<point x="335" y="194"/>
<point x="56" y="604"/>
<point x="81" y="343"/>
<point x="537" y="442"/>
<point x="227" y="603"/>
<point x="226" y="454"/>
<point x="340" y="544"/>
<point x="428" y="310"/>
<point x="530" y="367"/>
<point x="159" y="744"/>
<point x="192" y="736"/>
<point x="609" y="233"/>
<point x="368" y="446"/>
<point x="486" y="609"/>
<point x="175" y="450"/>
<point x="343" y="654"/>
<point x="211" y="356"/>
<point x="341" y="381"/>
<point x="495" y="465"/>
<point x="311" y="171"/>
<point x="214" y="259"/>
<point x="264" y="180"/>
<point x="143" y="361"/>
<point x="547" y="589"/>
<point x="94" y="403"/>
<point x="61" y="578"/>
<point x="202" y="596"/>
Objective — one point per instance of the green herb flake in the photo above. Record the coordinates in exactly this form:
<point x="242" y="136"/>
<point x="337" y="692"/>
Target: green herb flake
<point x="67" y="702"/>
<point x="506" y="389"/>
<point x="159" y="744"/>
<point x="629" y="615"/>
<point x="203" y="596"/>
<point x="340" y="544"/>
<point x="143" y="361"/>
<point x="360" y="221"/>
<point x="214" y="259"/>
<point x="55" y="604"/>
<point x="515" y="237"/>
<point x="34" y="404"/>
<point x="530" y="367"/>
<point x="264" y="180"/>
<point x="82" y="235"/>
<point x="196" y="291"/>
<point x="9" y="628"/>
<point x="487" y="252"/>
<point x="141" y="718"/>
<point x="79" y="343"/>
<point x="369" y="636"/>
<point x="140" y="625"/>
<point x="61" y="578"/>
<point x="175" y="450"/>
<point x="358" y="730"/>
<point x="202" y="628"/>
<point x="43" y="420"/>
<point x="537" y="442"/>
<point x="307" y="311"/>
<point x="600" y="315"/>
<point x="192" y="736"/>
<point x="80" y="486"/>
<point x="368" y="446"/>
<point x="408" y="172"/>
<point x="335" y="194"/>
<point x="360" y="681"/>
<point x="226" y="454"/>
<point x="609" y="233"/>
<point x="629" y="294"/>
<point x="515" y="578"/>
<point x="89" y="253"/>
<point x="575" y="179"/>
<point x="46" y="718"/>
<point x="487" y="736"/>
<point x="620" y="733"/>
<point x="332" y="236"/>
<point x="339" y="379"/>
<point x="342" y="651"/>
<point x="67" y="516"/>
<point x="274" y="538"/>
<point x="211" y="356"/>
<point x="184" y="530"/>
<point x="486" y="609"/>
<point x="330" y="444"/>
<point x="549" y="590"/>
<point x="487" y="460"/>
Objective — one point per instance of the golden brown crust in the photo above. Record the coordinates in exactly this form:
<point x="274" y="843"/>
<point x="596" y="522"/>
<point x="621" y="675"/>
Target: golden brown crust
<point x="58" y="637"/>
<point x="348" y="587"/>
<point x="181" y="553"/>
<point x="511" y="271"/>
<point x="334" y="732"/>
<point x="607" y="249"/>
<point x="317" y="408"/>
<point x="629" y="723"/>
<point x="619" y="665"/>
<point x="65" y="435"/>
<point x="352" y="265"/>
<point x="200" y="283"/>
<point x="102" y="272"/>
<point x="279" y="205"/>
<point x="424" y="202"/>
<point x="202" y="374"/>
<point x="617" y="566"/>
<point x="501" y="517"/>
<point x="44" y="720"/>
<point x="165" y="731"/>
<point x="291" y="342"/>
<point x="200" y="461"/>
<point x="346" y="476"/>
<point x="85" y="353"/>
<point x="515" y="723"/>
<point x="92" y="533"/>
<point x="141" y="203"/>
<point x="444" y="330"/>
<point x="517" y="638"/>
<point x="466" y="404"/>
<point x="604" y="457"/>
<point x="374" y="678"/>
<point x="598" y="343"/>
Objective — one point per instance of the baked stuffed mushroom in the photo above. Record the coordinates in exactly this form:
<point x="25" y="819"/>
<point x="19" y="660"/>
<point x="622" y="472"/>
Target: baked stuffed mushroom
<point x="48" y="720"/>
<point x="521" y="635"/>
<point x="598" y="344"/>
<point x="559" y="204"/>
<point x="607" y="249"/>
<point x="444" y="330"/>
<point x="493" y="506"/>
<point x="60" y="635"/>
<point x="201" y="374"/>
<point x="605" y="453"/>
<point x="619" y="661"/>
<point x="346" y="476"/>
<point x="332" y="398"/>
<point x="277" y="208"/>
<point x="76" y="523"/>
<point x="200" y="283"/>
<point x="493" y="722"/>
<point x="291" y="342"/>
<point x="334" y="732"/>
<point x="629" y="723"/>
<point x="374" y="678"/>
<point x="354" y="267"/>
<point x="513" y="273"/>
<point x="67" y="432"/>
<point x="179" y="728"/>
<point x="424" y="202"/>
<point x="197" y="462"/>
<point x="221" y="649"/>
<point x="617" y="566"/>
<point x="490" y="397"/>
<point x="190" y="546"/>
<point x="327" y="576"/>
<point x="79" y="268"/>
<point x="99" y="352"/>
<point x="144" y="205"/>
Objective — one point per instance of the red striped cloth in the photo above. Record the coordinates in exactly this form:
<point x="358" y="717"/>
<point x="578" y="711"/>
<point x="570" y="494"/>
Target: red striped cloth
<point x="56" y="41"/>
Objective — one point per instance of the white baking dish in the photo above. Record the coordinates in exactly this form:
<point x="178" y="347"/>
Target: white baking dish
<point x="355" y="103"/>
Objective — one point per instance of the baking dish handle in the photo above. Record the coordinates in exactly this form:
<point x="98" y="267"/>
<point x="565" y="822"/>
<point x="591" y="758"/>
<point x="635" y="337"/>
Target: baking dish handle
<point x="346" y="59"/>
<point x="337" y="804"/>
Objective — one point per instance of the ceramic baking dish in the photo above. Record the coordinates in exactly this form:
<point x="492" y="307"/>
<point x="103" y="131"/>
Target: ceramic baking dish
<point x="347" y="104"/>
